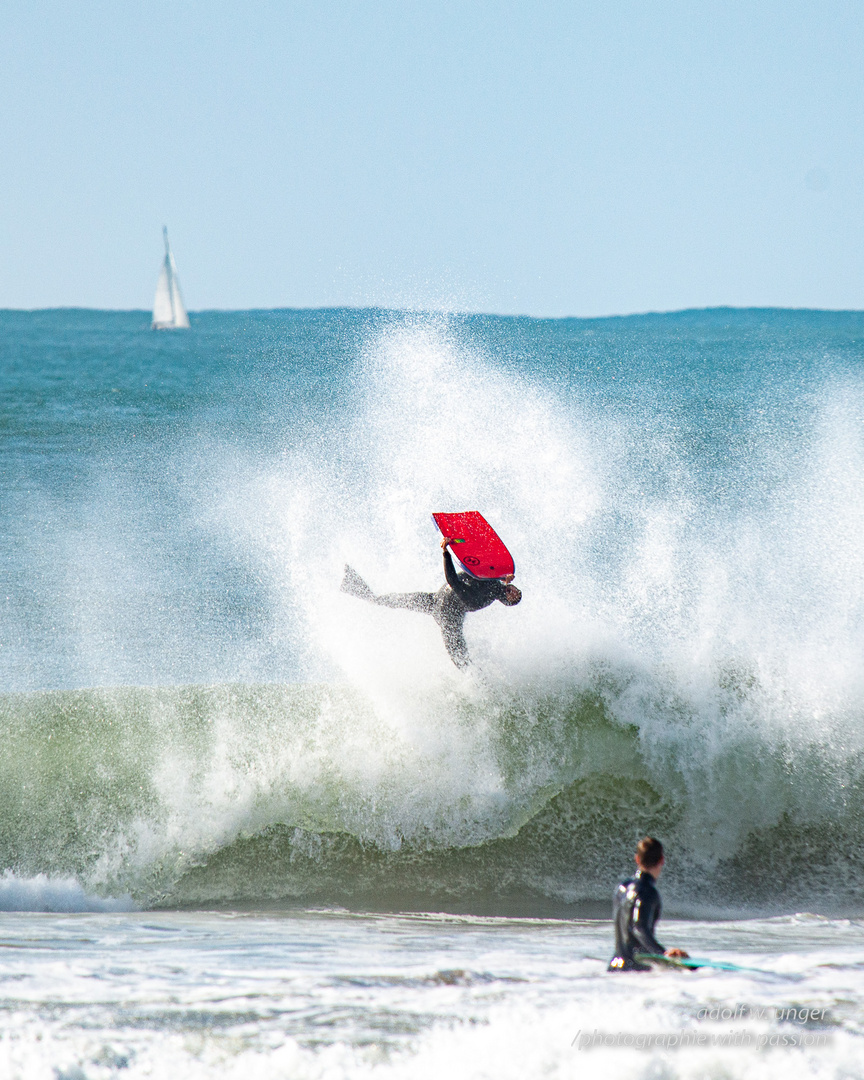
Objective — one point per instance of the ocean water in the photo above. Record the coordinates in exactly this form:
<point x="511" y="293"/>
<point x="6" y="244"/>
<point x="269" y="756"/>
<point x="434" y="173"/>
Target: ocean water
<point x="250" y="825"/>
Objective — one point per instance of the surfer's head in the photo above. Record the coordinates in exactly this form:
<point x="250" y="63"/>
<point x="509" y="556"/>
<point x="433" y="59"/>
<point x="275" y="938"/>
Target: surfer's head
<point x="511" y="596"/>
<point x="649" y="855"/>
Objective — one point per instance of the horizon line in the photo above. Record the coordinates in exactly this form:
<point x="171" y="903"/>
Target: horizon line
<point x="441" y="311"/>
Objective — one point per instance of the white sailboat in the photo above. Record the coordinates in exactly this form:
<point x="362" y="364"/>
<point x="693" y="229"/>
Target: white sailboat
<point x="168" y="310"/>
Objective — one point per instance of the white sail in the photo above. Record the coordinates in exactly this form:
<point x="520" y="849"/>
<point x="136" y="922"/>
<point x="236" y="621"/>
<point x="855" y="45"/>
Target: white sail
<point x="169" y="312"/>
<point x="163" y="312"/>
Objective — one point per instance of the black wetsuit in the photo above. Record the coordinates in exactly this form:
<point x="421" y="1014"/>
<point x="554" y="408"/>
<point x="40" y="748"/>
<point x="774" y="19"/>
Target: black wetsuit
<point x="636" y="908"/>
<point x="448" y="607"/>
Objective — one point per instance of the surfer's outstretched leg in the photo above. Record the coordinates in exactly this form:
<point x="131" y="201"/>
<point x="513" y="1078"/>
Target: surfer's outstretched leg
<point x="411" y="601"/>
<point x="354" y="585"/>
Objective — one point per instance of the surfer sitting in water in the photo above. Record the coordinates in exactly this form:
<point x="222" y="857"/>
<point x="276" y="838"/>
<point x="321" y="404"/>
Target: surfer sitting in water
<point x="449" y="606"/>
<point x="636" y="908"/>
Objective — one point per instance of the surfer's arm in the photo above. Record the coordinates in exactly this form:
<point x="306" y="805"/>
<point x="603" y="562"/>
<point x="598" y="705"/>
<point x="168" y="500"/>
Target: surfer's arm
<point x="450" y="575"/>
<point x="642" y="927"/>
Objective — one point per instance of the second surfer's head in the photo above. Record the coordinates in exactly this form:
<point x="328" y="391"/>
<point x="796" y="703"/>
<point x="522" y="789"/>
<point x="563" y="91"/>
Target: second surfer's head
<point x="649" y="856"/>
<point x="511" y="596"/>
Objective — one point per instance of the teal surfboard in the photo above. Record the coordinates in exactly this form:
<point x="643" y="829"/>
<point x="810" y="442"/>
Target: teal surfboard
<point x="691" y="963"/>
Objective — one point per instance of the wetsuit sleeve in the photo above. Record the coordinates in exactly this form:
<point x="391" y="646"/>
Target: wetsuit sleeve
<point x="646" y="911"/>
<point x="452" y="578"/>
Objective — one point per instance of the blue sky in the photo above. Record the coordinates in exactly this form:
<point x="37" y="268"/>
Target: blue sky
<point x="578" y="158"/>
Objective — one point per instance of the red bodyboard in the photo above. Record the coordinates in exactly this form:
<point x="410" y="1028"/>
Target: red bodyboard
<point x="476" y="544"/>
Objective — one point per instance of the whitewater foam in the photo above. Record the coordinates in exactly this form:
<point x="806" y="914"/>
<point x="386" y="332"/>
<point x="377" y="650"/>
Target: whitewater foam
<point x="41" y="893"/>
<point x="681" y="501"/>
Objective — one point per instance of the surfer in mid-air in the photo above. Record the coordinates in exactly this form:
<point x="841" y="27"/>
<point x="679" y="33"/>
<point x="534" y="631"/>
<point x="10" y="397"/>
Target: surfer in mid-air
<point x="449" y="606"/>
<point x="636" y="910"/>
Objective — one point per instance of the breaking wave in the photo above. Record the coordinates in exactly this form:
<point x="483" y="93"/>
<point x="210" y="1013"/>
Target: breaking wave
<point x="683" y="503"/>
<point x="492" y="799"/>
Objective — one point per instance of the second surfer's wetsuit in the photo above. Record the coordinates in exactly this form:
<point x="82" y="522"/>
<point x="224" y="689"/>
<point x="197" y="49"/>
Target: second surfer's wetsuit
<point x="448" y="607"/>
<point x="636" y="908"/>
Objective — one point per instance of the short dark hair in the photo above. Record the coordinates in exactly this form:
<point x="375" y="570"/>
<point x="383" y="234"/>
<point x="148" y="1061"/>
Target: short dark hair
<point x="649" y="852"/>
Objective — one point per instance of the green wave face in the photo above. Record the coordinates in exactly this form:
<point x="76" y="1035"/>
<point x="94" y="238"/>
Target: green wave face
<point x="527" y="799"/>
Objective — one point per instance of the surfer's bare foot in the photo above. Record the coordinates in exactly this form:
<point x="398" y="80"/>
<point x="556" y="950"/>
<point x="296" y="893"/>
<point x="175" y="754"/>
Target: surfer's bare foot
<point x="676" y="954"/>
